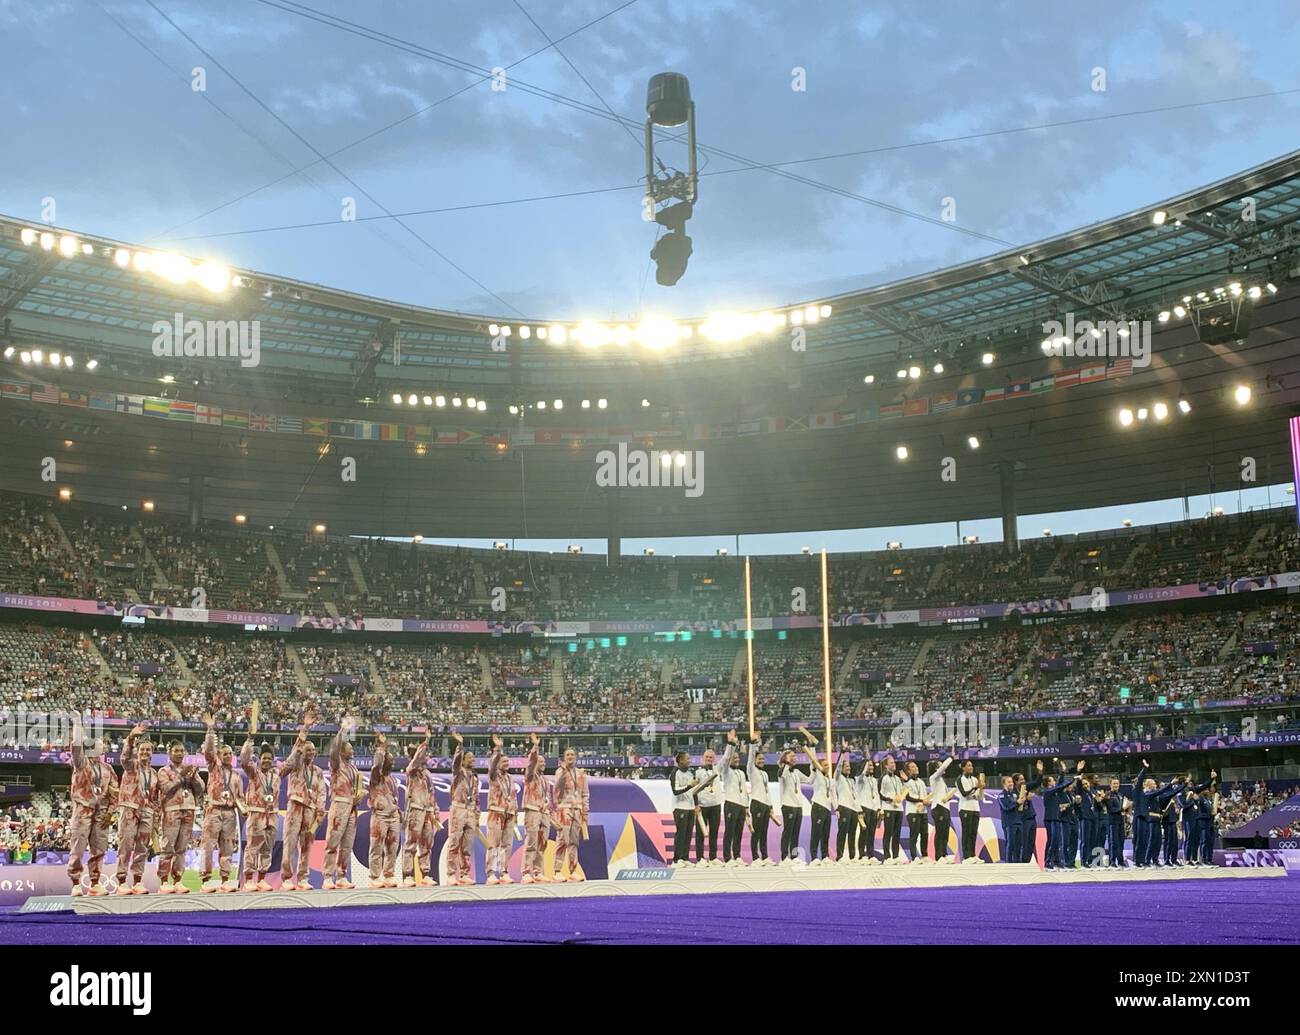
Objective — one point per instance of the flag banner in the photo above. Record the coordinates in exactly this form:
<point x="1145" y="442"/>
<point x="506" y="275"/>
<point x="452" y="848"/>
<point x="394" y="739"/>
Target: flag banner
<point x="916" y="407"/>
<point x="1119" y="368"/>
<point x="749" y="427"/>
<point x="796" y="424"/>
<point x="42" y="393"/>
<point x="16" y="390"/>
<point x="1092" y="373"/>
<point x="843" y="417"/>
<point x="154" y="407"/>
<point x="341" y="429"/>
<point x="969" y="396"/>
<point x="288" y="425"/>
<point x="943" y="403"/>
<point x="207" y="415"/>
<point x="1042" y="384"/>
<point x="103" y="401"/>
<point x="234" y="419"/>
<point x="68" y="397"/>
<point x="1067" y="378"/>
<point x="261" y="422"/>
<point x="315" y="426"/>
<point x="388" y="432"/>
<point x="1017" y="389"/>
<point x="130" y="404"/>
<point x="181" y="411"/>
<point x="994" y="395"/>
<point x="890" y="411"/>
<point x="821" y="420"/>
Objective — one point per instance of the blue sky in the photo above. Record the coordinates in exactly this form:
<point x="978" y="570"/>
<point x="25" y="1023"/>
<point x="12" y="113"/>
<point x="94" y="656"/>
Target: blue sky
<point x="104" y="121"/>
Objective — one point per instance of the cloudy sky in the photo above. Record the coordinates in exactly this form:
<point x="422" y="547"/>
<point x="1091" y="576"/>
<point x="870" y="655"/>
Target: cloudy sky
<point x="102" y="108"/>
<point x="920" y="102"/>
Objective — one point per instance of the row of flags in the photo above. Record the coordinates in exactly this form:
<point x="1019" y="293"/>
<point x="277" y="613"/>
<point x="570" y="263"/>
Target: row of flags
<point x="380" y="431"/>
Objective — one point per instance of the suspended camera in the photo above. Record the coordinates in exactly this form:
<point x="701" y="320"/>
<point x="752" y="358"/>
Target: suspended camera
<point x="668" y="103"/>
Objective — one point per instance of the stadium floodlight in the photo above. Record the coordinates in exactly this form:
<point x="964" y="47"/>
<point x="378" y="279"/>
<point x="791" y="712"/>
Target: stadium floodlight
<point x="722" y="551"/>
<point x="894" y="544"/>
<point x="525" y="332"/>
<point x="970" y="540"/>
<point x="213" y="276"/>
<point x="657" y="332"/>
<point x="494" y="329"/>
<point x="55" y="359"/>
<point x="1271" y="288"/>
<point x="318" y="528"/>
<point x="472" y="403"/>
<point x="574" y="548"/>
<point x="1164" y="316"/>
<point x="542" y="333"/>
<point x="1159" y="216"/>
<point x="1242" y="394"/>
<point x="500" y="545"/>
<point x="439" y="400"/>
<point x="37" y="356"/>
<point x="645" y="404"/>
<point x="1125" y="417"/>
<point x="649" y="551"/>
<point x="557" y="335"/>
<point x="811" y="314"/>
<point x="69" y="362"/>
<point x="92" y="364"/>
<point x="456" y="401"/>
<point x="601" y="403"/>
<point x="805" y="550"/>
<point x="1127" y="522"/>
<point x="28" y="236"/>
<point x="586" y="404"/>
<point x="666" y="460"/>
<point x="514" y="411"/>
<point x="417" y="538"/>
<point x="902" y="374"/>
<point x="913" y="372"/>
<point x="1179" y="311"/>
<point x="679" y="459"/>
<point x="68" y="246"/>
<point x="825" y="311"/>
<point x="973" y="441"/>
<point x="47" y="242"/>
<point x="869" y="379"/>
<point x="412" y="399"/>
<point x="147" y="505"/>
<point x="1183" y="405"/>
<point x="1234" y="288"/>
<point x="505" y="330"/>
<point x="65" y="495"/>
<point x="241" y="519"/>
<point x="1047" y="533"/>
<point x="796" y="317"/>
<point x="9" y="352"/>
<point x="1254" y="292"/>
<point x="1142" y="413"/>
<point x="987" y="359"/>
<point x="121" y="258"/>
<point x="482" y="406"/>
<point x="938" y="368"/>
<point x="558" y="404"/>
<point x="1160" y="411"/>
<point x="397" y="399"/>
<point x="901" y="452"/>
<point x="427" y="400"/>
<point x="25" y="356"/>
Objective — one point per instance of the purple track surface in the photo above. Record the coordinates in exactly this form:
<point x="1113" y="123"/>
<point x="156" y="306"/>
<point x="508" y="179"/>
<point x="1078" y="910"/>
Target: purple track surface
<point x="1185" y="912"/>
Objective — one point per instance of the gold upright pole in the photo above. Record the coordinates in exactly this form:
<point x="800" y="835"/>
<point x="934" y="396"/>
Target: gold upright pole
<point x="826" y="653"/>
<point x="749" y="650"/>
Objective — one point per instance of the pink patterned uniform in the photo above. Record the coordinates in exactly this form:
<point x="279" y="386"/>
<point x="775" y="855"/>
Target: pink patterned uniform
<point x="385" y="819"/>
<point x="572" y="804"/>
<point x="421" y="815"/>
<point x="306" y="806"/>
<point x="502" y="809"/>
<point x="261" y="802"/>
<point x="220" y="817"/>
<point x="94" y="789"/>
<point x="462" y="821"/>
<point x="537" y="814"/>
<point x="138" y="800"/>
<point x="179" y="796"/>
<point x="341" y="830"/>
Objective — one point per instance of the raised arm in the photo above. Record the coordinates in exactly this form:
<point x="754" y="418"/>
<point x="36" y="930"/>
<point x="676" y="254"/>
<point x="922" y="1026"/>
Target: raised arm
<point x="128" y="749"/>
<point x="421" y="756"/>
<point x="210" y="742"/>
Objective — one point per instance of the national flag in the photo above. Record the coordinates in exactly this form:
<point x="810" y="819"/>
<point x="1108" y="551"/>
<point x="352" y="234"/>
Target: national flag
<point x="843" y="417"/>
<point x="315" y="426"/>
<point x="1067" y="378"/>
<point x="868" y="412"/>
<point x="474" y="436"/>
<point x="995" y="395"/>
<point x="943" y="402"/>
<point x="496" y="441"/>
<point x="261" y="422"/>
<point x="1093" y="373"/>
<point x="234" y="419"/>
<point x="821" y="420"/>
<point x="917" y="407"/>
<point x="155" y="407"/>
<point x="130" y="404"/>
<point x="969" y="396"/>
<point x="389" y="432"/>
<point x="446" y="437"/>
<point x="422" y="433"/>
<point x="1042" y="384"/>
<point x="288" y="425"/>
<point x="1119" y="368"/>
<point x="103" y="401"/>
<point x="890" y="411"/>
<point x="17" y="390"/>
<point x="1018" y="389"/>
<point x="796" y="424"/>
<point x="546" y="438"/>
<point x="207" y="414"/>
<point x="773" y="424"/>
<point x="68" y="397"/>
<point x="44" y="393"/>
<point x="181" y="411"/>
<point x="749" y="427"/>
<point x="341" y="429"/>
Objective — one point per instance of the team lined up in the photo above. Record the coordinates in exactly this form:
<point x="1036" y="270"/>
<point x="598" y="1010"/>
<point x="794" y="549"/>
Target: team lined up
<point x="1084" y="819"/>
<point x="155" y="809"/>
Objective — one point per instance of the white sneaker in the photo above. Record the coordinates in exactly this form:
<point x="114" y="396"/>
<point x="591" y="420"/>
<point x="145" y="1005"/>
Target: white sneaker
<point x="328" y="885"/>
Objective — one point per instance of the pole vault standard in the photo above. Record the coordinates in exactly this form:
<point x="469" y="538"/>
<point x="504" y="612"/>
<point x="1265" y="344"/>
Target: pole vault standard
<point x="749" y="650"/>
<point x="826" y="655"/>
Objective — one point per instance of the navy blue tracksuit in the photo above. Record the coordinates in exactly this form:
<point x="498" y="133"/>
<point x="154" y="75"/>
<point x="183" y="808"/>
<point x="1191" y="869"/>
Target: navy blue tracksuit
<point x="1115" y="827"/>
<point x="1011" y="826"/>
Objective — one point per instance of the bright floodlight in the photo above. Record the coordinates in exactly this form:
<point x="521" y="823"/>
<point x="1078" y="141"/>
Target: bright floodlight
<point x="427" y="400"/>
<point x="1160" y="411"/>
<point x="902" y="374"/>
<point x="1125" y="417"/>
<point x="557" y="335"/>
<point x="869" y="379"/>
<point x="494" y="329"/>
<point x="1184" y="406"/>
<point x="1164" y="316"/>
<point x="514" y="411"/>
<point x="680" y="459"/>
<point x="455" y="401"/>
<point x="973" y="441"/>
<point x="645" y="404"/>
<point x="601" y="403"/>
<point x="472" y="403"/>
<point x="558" y="404"/>
<point x="397" y="399"/>
<point x="913" y="372"/>
<point x="213" y="276"/>
<point x="525" y="332"/>
<point x="987" y="359"/>
<point x="1241" y="394"/>
<point x="482" y="406"/>
<point x="666" y="460"/>
<point x="586" y="404"/>
<point x="1179" y="311"/>
<point x="439" y="400"/>
<point x="412" y="399"/>
<point x="68" y="246"/>
<point x="55" y="358"/>
<point x="68" y="361"/>
<point x="657" y="332"/>
<point x="938" y="368"/>
<point x="1142" y="413"/>
<point x="1159" y="216"/>
<point x="92" y="364"/>
<point x="1254" y="292"/>
<point x="28" y="236"/>
<point x="901" y="452"/>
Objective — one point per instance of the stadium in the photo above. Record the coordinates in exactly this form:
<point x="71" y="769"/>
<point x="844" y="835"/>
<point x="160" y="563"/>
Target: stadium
<point x="904" y="611"/>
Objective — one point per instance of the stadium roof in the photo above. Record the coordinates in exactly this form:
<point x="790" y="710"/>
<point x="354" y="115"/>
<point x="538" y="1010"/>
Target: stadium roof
<point x="1066" y="446"/>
